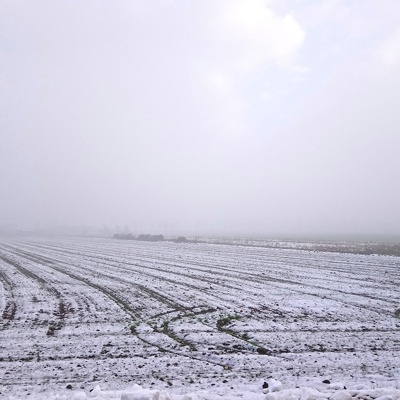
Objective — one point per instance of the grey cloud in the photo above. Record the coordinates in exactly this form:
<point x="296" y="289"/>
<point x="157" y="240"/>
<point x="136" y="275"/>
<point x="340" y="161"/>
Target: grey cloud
<point x="140" y="113"/>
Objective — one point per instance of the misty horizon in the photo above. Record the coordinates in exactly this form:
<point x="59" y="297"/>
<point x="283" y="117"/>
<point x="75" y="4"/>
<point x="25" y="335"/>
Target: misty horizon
<point x="227" y="118"/>
<point x="172" y="232"/>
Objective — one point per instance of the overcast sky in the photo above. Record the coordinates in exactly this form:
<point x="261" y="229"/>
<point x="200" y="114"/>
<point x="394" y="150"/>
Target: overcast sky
<point x="206" y="116"/>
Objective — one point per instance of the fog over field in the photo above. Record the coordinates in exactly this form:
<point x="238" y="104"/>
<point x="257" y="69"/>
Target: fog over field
<point x="234" y="117"/>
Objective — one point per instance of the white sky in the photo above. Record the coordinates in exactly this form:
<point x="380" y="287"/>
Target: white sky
<point x="211" y="116"/>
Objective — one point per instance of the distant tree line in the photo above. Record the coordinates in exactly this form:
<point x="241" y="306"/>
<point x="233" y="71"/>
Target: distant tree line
<point x="142" y="236"/>
<point x="150" y="238"/>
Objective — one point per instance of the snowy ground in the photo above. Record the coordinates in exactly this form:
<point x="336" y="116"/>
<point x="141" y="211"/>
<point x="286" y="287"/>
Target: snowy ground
<point x="194" y="318"/>
<point x="335" y="391"/>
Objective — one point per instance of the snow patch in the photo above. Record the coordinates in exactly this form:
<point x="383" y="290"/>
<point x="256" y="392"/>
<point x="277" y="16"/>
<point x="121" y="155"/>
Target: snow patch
<point x="275" y="392"/>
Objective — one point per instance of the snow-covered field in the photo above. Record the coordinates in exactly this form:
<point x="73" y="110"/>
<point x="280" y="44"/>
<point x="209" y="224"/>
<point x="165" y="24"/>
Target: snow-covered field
<point x="194" y="318"/>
